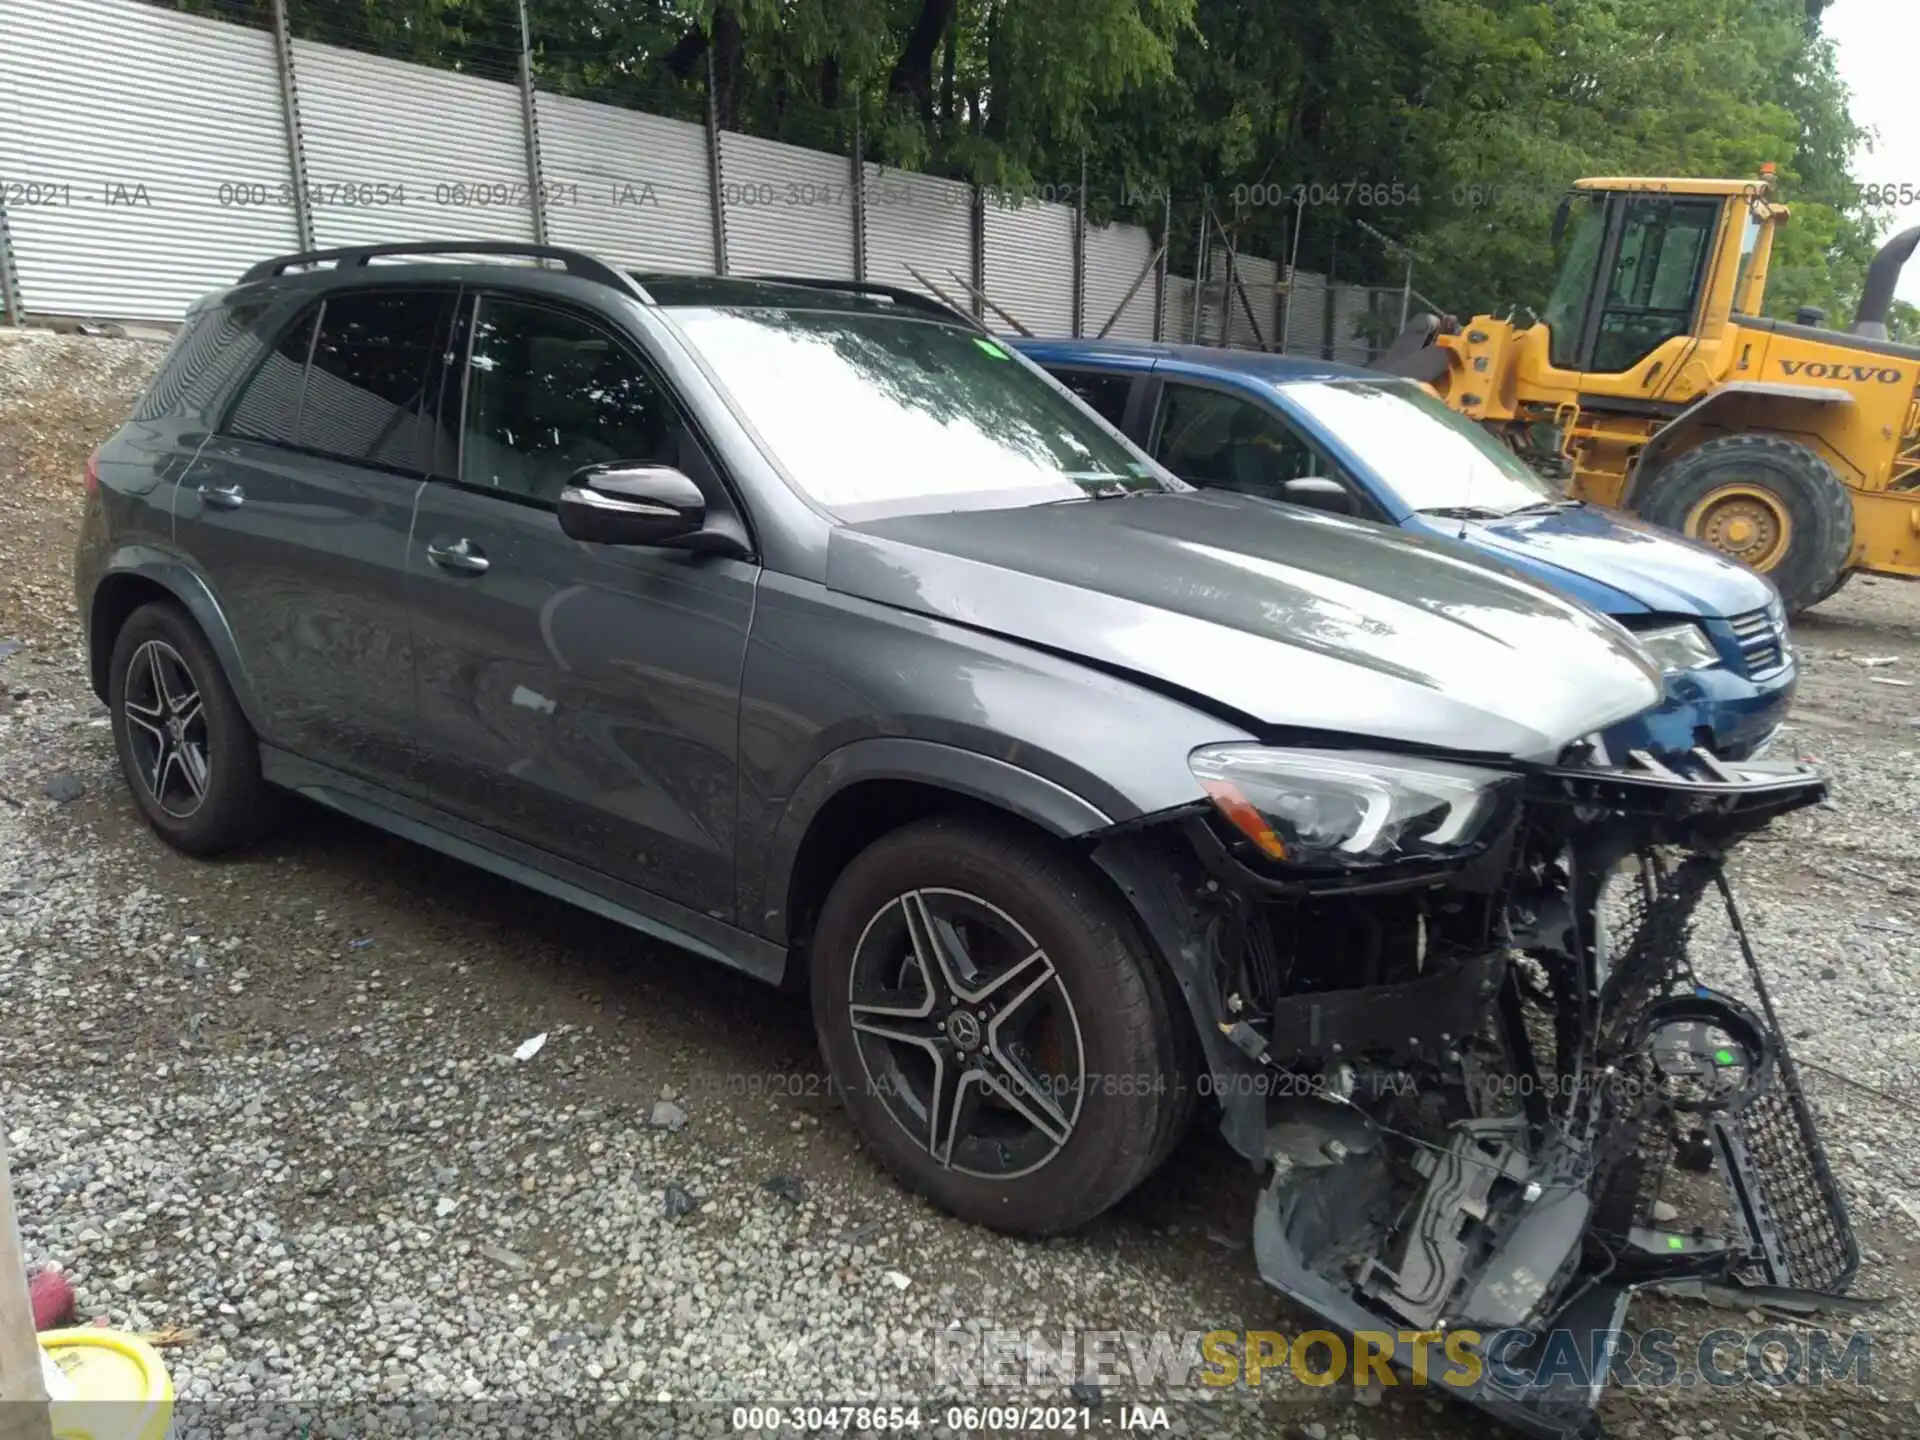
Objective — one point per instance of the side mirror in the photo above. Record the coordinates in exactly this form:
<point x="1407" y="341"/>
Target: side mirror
<point x="1318" y="493"/>
<point x="1561" y="212"/>
<point x="631" y="504"/>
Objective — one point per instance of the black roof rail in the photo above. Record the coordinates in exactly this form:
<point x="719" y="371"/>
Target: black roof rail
<point x="576" y="262"/>
<point x="899" y="294"/>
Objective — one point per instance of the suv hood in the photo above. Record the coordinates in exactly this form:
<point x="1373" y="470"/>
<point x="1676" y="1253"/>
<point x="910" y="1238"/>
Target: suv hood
<point x="1293" y="618"/>
<point x="1586" y="551"/>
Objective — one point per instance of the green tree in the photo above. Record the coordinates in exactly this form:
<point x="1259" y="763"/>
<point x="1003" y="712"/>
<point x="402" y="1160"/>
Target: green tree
<point x="1647" y="87"/>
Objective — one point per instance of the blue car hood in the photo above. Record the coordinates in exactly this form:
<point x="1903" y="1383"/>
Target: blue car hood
<point x="1621" y="566"/>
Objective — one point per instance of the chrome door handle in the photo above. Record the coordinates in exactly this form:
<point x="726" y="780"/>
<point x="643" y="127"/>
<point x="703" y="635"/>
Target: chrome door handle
<point x="462" y="556"/>
<point x="222" y="497"/>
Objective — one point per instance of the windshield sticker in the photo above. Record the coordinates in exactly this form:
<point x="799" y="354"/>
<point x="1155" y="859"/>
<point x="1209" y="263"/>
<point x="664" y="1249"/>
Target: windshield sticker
<point x="991" y="348"/>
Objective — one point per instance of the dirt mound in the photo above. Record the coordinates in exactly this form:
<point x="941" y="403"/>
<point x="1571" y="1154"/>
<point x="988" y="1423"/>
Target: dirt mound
<point x="60" y="395"/>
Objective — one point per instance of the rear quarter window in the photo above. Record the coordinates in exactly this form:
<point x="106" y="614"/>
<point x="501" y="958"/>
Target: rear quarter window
<point x="212" y="348"/>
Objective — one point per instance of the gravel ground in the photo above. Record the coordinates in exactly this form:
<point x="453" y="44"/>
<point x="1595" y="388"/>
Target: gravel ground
<point x="269" y="1108"/>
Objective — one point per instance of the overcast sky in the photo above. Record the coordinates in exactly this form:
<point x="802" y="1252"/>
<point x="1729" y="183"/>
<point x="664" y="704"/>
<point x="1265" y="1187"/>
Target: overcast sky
<point x="1878" y="41"/>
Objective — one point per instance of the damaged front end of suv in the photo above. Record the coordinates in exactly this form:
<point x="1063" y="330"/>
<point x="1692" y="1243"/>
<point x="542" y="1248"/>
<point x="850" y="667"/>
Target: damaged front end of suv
<point x="1455" y="1009"/>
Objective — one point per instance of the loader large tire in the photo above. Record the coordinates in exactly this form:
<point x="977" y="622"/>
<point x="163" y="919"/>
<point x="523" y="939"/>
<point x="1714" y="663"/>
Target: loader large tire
<point x="1839" y="584"/>
<point x="1765" y="501"/>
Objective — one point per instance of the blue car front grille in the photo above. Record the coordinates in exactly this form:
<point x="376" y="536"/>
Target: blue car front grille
<point x="1762" y="639"/>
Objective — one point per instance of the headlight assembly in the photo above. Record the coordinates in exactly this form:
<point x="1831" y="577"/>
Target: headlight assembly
<point x="1321" y="810"/>
<point x="1679" y="647"/>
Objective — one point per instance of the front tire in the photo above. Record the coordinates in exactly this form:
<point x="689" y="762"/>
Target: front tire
<point x="1770" y="503"/>
<point x="993" y="1022"/>
<point x="189" y="756"/>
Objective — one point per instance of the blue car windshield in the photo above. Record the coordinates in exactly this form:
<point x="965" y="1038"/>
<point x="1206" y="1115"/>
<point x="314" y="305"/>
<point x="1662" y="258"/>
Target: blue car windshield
<point x="1435" y="459"/>
<point x="876" y="415"/>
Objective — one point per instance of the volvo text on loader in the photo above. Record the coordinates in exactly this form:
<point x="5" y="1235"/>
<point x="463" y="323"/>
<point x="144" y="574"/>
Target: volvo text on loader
<point x="1653" y="378"/>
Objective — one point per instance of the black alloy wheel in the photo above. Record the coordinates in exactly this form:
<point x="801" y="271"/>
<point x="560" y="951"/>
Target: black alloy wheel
<point x="966" y="1033"/>
<point x="1004" y="1039"/>
<point x="191" y="759"/>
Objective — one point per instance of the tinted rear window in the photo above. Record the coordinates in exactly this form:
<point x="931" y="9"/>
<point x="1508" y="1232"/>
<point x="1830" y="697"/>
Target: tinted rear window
<point x="269" y="408"/>
<point x="367" y="379"/>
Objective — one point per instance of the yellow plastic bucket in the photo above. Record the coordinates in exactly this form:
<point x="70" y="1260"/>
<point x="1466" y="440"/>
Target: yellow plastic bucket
<point x="107" y="1385"/>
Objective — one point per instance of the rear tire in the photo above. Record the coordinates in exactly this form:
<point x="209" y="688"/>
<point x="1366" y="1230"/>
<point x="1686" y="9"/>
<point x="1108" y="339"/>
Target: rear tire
<point x="1769" y="502"/>
<point x="997" y="913"/>
<point x="190" y="757"/>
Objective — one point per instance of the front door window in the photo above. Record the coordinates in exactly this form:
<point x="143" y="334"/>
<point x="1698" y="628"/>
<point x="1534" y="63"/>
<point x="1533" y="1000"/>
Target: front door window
<point x="1224" y="442"/>
<point x="549" y="393"/>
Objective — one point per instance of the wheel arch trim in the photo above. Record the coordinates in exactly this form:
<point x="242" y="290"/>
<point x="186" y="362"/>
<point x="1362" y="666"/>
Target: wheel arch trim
<point x="966" y="773"/>
<point x="184" y="584"/>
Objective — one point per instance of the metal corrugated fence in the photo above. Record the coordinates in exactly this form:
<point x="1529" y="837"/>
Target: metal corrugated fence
<point x="631" y="187"/>
<point x="181" y="162"/>
<point x="1029" y="265"/>
<point x="142" y="152"/>
<point x="1118" y="261"/>
<point x="1306" y="314"/>
<point x="919" y="223"/>
<point x="1176" y="319"/>
<point x="788" y="211"/>
<point x="385" y="139"/>
<point x="1254" y="317"/>
<point x="1352" y="304"/>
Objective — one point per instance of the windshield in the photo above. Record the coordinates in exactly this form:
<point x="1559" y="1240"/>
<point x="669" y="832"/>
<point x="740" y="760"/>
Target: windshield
<point x="1435" y="459"/>
<point x="881" y="414"/>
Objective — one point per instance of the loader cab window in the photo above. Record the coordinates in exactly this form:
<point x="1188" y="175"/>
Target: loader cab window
<point x="1641" y="259"/>
<point x="1653" y="284"/>
<point x="1566" y="312"/>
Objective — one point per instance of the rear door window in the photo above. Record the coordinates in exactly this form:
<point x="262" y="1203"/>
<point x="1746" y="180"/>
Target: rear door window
<point x="367" y="381"/>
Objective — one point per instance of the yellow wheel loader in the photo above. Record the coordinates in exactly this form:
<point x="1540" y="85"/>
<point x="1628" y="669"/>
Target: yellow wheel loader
<point x="1652" y="383"/>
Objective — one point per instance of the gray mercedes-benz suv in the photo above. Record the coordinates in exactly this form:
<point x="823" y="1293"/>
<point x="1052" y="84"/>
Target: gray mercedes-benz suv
<point x="807" y="626"/>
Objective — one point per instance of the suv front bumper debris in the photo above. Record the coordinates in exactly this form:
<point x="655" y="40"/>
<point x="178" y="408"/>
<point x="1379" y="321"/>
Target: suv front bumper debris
<point x="1471" y="1094"/>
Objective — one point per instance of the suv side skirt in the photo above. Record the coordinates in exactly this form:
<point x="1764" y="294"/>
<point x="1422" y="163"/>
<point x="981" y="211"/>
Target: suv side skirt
<point x="628" y="905"/>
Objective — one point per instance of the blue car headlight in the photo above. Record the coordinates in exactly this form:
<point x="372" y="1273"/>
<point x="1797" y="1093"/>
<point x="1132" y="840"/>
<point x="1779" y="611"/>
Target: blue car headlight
<point x="1349" y="809"/>
<point x="1679" y="647"/>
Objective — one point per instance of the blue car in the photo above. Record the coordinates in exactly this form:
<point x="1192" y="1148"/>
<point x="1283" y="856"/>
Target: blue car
<point x="1380" y="448"/>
